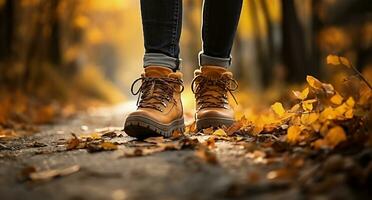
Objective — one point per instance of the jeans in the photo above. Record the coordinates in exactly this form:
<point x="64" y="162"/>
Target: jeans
<point x="162" y="22"/>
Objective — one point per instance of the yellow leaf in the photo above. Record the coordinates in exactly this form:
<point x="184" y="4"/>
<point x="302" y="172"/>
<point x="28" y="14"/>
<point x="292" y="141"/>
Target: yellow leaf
<point x="220" y="132"/>
<point x="301" y="95"/>
<point x="316" y="84"/>
<point x="308" y="104"/>
<point x="350" y="102"/>
<point x="293" y="134"/>
<point x="294" y="108"/>
<point x="336" y="99"/>
<point x="340" y="110"/>
<point x="278" y="108"/>
<point x="338" y="60"/>
<point x="313" y="82"/>
<point x="335" y="135"/>
<point x="309" y="118"/>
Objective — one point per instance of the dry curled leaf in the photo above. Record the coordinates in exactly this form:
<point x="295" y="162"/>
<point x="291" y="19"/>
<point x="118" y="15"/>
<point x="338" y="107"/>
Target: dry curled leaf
<point x="206" y="155"/>
<point x="49" y="174"/>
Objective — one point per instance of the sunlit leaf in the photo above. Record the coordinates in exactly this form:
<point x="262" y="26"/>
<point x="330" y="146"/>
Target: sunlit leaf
<point x="301" y="95"/>
<point x="293" y="134"/>
<point x="350" y="102"/>
<point x="349" y="114"/>
<point x="308" y="104"/>
<point x="336" y="99"/>
<point x="220" y="132"/>
<point x="278" y="108"/>
<point x="313" y="82"/>
<point x="309" y="118"/>
<point x="335" y="135"/>
<point x="338" y="60"/>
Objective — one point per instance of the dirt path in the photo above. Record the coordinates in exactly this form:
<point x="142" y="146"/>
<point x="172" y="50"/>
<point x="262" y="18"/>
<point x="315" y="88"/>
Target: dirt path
<point x="240" y="172"/>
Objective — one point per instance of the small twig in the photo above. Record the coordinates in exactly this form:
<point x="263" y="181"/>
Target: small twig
<point x="360" y="75"/>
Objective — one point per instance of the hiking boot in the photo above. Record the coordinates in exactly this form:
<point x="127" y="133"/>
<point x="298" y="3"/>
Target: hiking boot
<point x="211" y="86"/>
<point x="159" y="111"/>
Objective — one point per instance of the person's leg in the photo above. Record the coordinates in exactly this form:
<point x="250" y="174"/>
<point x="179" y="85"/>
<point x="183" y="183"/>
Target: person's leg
<point x="159" y="103"/>
<point x="162" y="22"/>
<point x="220" y="21"/>
<point x="213" y="81"/>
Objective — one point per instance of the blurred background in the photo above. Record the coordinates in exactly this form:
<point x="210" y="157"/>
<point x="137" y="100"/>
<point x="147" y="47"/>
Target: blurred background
<point x="80" y="52"/>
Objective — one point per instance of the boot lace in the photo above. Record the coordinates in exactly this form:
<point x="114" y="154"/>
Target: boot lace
<point x="212" y="93"/>
<point x="156" y="93"/>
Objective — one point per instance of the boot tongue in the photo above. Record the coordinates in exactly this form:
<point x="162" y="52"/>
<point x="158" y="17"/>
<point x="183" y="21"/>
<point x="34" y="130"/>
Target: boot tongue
<point x="157" y="72"/>
<point x="213" y="72"/>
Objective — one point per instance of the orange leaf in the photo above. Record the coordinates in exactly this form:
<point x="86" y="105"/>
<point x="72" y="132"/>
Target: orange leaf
<point x="338" y="60"/>
<point x="293" y="134"/>
<point x="336" y="99"/>
<point x="313" y="82"/>
<point x="335" y="135"/>
<point x="309" y="118"/>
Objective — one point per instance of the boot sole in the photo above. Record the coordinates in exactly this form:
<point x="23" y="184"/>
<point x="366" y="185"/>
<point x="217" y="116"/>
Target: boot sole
<point x="213" y="122"/>
<point x="142" y="127"/>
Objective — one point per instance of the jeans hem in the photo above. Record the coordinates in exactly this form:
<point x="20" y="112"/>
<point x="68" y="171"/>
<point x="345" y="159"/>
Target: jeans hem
<point x="159" y="59"/>
<point x="215" y="61"/>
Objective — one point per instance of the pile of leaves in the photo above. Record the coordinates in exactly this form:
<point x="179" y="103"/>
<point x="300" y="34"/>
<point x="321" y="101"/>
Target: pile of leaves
<point x="321" y="117"/>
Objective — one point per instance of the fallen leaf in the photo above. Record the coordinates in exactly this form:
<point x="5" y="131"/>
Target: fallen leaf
<point x="278" y="108"/>
<point x="335" y="136"/>
<point x="208" y="131"/>
<point x="313" y="82"/>
<point x="236" y="126"/>
<point x="220" y="133"/>
<point x="155" y="140"/>
<point x="73" y="143"/>
<point x="50" y="174"/>
<point x="308" y="104"/>
<point x="309" y="118"/>
<point x="336" y="99"/>
<point x="206" y="155"/>
<point x="338" y="60"/>
<point x="109" y="146"/>
<point x="350" y="102"/>
<point x="301" y="95"/>
<point x="293" y="134"/>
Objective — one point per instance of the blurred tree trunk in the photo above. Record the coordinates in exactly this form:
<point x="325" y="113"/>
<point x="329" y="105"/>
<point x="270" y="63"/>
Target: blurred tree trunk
<point x="262" y="61"/>
<point x="6" y="29"/>
<point x="316" y="26"/>
<point x="294" y="48"/>
<point x="55" y="37"/>
<point x="45" y="45"/>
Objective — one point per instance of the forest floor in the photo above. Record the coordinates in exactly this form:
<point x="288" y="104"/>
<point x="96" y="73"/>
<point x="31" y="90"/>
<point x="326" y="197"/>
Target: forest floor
<point x="54" y="164"/>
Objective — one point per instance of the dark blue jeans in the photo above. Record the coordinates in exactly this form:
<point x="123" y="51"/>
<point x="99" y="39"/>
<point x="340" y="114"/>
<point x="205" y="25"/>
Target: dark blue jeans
<point x="162" y="22"/>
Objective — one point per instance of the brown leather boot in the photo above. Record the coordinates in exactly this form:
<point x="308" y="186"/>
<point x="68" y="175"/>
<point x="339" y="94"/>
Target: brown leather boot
<point x="159" y="104"/>
<point x="211" y="86"/>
